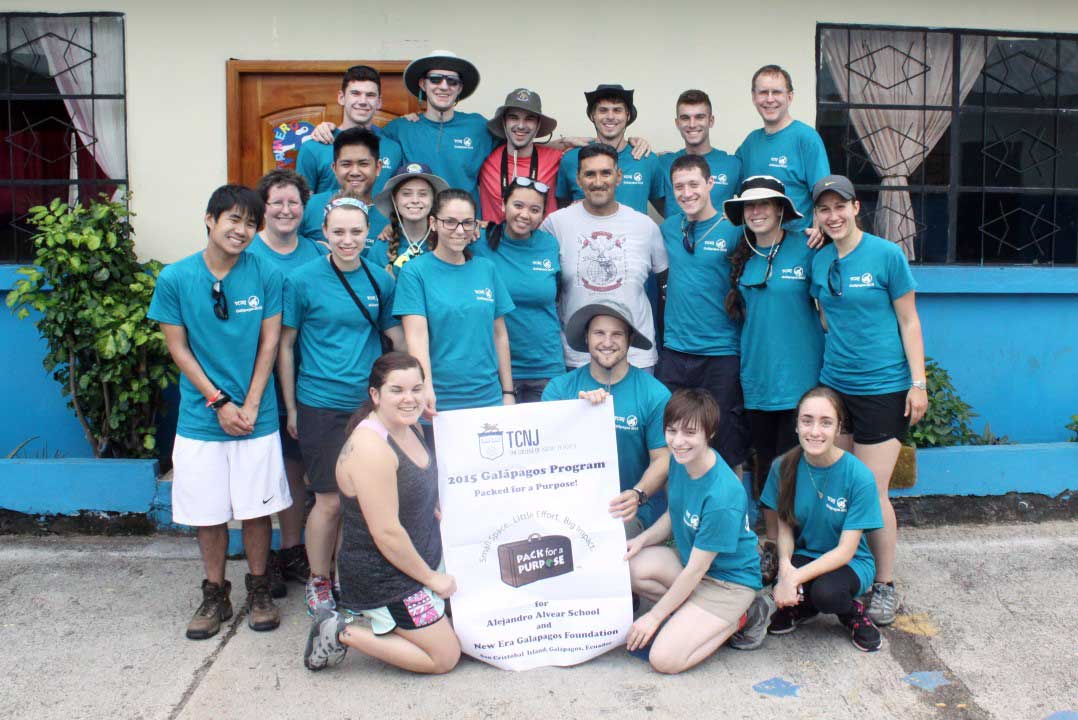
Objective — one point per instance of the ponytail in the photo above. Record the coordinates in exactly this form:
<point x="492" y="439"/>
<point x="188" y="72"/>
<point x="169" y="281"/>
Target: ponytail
<point x="494" y="236"/>
<point x="735" y="302"/>
<point x="788" y="484"/>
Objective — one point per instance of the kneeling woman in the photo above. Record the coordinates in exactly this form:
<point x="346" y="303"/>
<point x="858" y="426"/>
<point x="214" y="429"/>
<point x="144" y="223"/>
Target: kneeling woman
<point x="391" y="549"/>
<point x="704" y="588"/>
<point x="825" y="499"/>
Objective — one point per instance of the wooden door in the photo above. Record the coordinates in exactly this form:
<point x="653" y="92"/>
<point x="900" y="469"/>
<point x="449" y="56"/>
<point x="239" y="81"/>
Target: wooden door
<point x="273" y="104"/>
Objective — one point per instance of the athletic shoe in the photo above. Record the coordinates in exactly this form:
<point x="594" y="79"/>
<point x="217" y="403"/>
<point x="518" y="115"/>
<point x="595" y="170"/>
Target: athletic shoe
<point x="293" y="564"/>
<point x="882" y="605"/>
<point x="278" y="589"/>
<point x="262" y="614"/>
<point x="863" y="634"/>
<point x="769" y="562"/>
<point x="215" y="609"/>
<point x="324" y="646"/>
<point x="751" y="636"/>
<point x="787" y="619"/>
<point x="319" y="595"/>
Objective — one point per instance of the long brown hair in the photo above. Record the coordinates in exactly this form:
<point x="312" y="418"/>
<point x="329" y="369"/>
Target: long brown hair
<point x="790" y="460"/>
<point x="396" y="231"/>
<point x="735" y="303"/>
<point x="393" y="360"/>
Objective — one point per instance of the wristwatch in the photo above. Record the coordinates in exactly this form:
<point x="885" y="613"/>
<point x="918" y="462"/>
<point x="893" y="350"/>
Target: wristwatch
<point x="641" y="496"/>
<point x="222" y="400"/>
<point x="919" y="384"/>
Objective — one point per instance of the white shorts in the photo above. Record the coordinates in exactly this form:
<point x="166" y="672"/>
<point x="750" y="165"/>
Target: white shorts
<point x="214" y="482"/>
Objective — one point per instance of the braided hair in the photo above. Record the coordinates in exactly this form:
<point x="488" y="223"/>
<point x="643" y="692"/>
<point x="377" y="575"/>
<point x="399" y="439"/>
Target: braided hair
<point x="735" y="302"/>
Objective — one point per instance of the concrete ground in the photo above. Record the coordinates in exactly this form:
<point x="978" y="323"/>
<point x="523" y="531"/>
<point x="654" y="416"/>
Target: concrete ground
<point x="93" y="627"/>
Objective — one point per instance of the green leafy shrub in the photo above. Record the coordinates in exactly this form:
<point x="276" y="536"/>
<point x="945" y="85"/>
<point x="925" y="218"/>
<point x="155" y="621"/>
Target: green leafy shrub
<point x="1073" y="427"/>
<point x="947" y="421"/>
<point x="92" y="294"/>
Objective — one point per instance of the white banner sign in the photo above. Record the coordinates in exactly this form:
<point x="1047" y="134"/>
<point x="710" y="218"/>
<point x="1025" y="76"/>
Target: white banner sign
<point x="524" y="492"/>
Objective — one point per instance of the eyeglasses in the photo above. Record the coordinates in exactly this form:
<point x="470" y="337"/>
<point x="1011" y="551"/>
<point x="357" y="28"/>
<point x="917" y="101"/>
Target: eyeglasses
<point x="437" y="79"/>
<point x="451" y="224"/>
<point x="281" y="204"/>
<point x="220" y="302"/>
<point x="770" y="261"/>
<point x="524" y="181"/>
<point x="834" y="278"/>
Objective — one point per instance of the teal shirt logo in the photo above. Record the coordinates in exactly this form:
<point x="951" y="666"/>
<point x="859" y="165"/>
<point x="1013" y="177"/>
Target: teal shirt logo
<point x="251" y="304"/>
<point x="864" y="280"/>
<point x="692" y="521"/>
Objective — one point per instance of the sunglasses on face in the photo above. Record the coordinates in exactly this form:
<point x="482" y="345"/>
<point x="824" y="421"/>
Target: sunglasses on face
<point x="220" y="302"/>
<point x="437" y="79"/>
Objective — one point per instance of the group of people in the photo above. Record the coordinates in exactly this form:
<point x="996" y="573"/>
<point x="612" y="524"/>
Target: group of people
<point x="448" y="261"/>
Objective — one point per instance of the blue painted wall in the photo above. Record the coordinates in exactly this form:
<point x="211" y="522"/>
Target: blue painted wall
<point x="32" y="403"/>
<point x="1009" y="338"/>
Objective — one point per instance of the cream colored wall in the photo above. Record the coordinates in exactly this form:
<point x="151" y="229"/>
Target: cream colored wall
<point x="176" y="53"/>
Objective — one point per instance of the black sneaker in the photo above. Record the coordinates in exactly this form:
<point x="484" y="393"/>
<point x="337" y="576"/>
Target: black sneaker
<point x="785" y="620"/>
<point x="293" y="564"/>
<point x="864" y="635"/>
<point x="278" y="589"/>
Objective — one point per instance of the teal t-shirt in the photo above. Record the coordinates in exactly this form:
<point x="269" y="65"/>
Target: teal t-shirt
<point x="711" y="513"/>
<point x="639" y="403"/>
<point x="337" y="346"/>
<point x="781" y="339"/>
<point x="378" y="254"/>
<point x="641" y="180"/>
<point x="529" y="269"/>
<point x="460" y="303"/>
<point x="795" y="155"/>
<point x="863" y="352"/>
<point x="695" y="315"/>
<point x="454" y="150"/>
<point x="226" y="349"/>
<point x="315" y="213"/>
<point x="315" y="162"/>
<point x="725" y="171"/>
<point x="850" y="502"/>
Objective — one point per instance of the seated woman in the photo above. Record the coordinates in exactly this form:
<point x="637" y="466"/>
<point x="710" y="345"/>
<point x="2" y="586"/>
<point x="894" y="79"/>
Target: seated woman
<point x="825" y="499"/>
<point x="703" y="586"/>
<point x="392" y="589"/>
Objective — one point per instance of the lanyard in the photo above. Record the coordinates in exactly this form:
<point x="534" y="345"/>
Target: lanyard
<point x="533" y="169"/>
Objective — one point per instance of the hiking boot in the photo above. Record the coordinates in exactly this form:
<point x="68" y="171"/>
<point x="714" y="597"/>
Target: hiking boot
<point x="769" y="561"/>
<point x="751" y="636"/>
<point x="262" y="614"/>
<point x="785" y="620"/>
<point x="319" y="595"/>
<point x="273" y="568"/>
<point x="863" y="634"/>
<point x="215" y="609"/>
<point x="324" y="646"/>
<point x="882" y="605"/>
<point x="293" y="564"/>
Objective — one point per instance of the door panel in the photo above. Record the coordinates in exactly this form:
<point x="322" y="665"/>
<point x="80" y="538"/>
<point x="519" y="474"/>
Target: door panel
<point x="274" y="105"/>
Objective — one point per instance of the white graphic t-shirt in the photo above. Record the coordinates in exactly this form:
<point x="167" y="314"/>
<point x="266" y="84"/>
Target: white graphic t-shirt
<point x="608" y="257"/>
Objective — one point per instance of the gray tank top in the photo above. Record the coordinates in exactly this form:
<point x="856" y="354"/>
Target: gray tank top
<point x="368" y="580"/>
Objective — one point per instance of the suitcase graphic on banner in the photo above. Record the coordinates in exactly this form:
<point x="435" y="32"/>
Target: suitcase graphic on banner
<point x="537" y="558"/>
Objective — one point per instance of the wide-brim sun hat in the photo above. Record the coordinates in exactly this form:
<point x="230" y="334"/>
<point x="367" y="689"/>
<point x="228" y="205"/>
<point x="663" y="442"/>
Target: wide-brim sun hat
<point x="442" y="60"/>
<point x="602" y="92"/>
<point x="576" y="330"/>
<point x="528" y="101"/>
<point x="409" y="171"/>
<point x="754" y="189"/>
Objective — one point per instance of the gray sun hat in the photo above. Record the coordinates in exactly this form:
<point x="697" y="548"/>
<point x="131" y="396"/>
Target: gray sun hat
<point x="528" y="101"/>
<point x="839" y="184"/>
<point x="576" y="330"/>
<point x="409" y="171"/>
<point x="442" y="60"/>
<point x="754" y="189"/>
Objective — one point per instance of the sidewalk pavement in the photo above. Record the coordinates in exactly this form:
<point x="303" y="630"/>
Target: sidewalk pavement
<point x="93" y="627"/>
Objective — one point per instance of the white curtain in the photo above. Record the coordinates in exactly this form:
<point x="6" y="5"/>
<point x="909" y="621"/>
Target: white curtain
<point x="898" y="68"/>
<point x="95" y="120"/>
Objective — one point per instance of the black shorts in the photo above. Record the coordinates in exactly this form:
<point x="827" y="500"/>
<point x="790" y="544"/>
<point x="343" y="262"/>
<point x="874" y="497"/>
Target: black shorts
<point x="720" y="376"/>
<point x="874" y="419"/>
<point x="289" y="445"/>
<point x="321" y="437"/>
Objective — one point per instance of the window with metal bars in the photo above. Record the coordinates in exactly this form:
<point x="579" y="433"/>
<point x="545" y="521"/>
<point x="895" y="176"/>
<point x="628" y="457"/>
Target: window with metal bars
<point x="963" y="144"/>
<point x="62" y="116"/>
